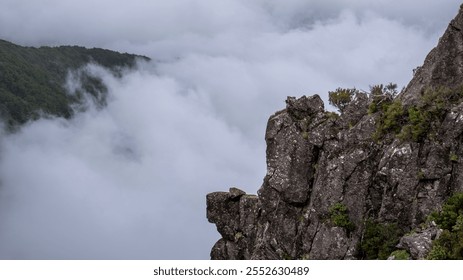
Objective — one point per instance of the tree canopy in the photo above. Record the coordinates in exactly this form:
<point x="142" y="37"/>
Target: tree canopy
<point x="32" y="80"/>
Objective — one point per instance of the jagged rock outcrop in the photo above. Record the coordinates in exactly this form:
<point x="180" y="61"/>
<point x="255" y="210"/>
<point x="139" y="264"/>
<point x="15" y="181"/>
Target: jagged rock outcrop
<point x="419" y="242"/>
<point x="443" y="66"/>
<point x="235" y="214"/>
<point x="333" y="191"/>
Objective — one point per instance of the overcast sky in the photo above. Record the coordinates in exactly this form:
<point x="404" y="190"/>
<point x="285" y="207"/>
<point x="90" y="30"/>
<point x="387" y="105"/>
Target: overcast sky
<point x="129" y="181"/>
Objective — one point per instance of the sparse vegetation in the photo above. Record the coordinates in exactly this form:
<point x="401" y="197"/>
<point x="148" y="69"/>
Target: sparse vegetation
<point x="332" y="115"/>
<point x="341" y="97"/>
<point x="391" y="111"/>
<point x="238" y="236"/>
<point x="417" y="127"/>
<point x="391" y="119"/>
<point x="432" y="108"/>
<point x="415" y="122"/>
<point x="382" y="97"/>
<point x="339" y="217"/>
<point x="438" y="252"/>
<point x="450" y="243"/>
<point x="400" y="255"/>
<point x="379" y="240"/>
<point x="453" y="157"/>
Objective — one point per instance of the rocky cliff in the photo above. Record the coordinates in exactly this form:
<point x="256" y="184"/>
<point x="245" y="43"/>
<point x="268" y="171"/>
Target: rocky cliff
<point x="359" y="185"/>
<point x="443" y="66"/>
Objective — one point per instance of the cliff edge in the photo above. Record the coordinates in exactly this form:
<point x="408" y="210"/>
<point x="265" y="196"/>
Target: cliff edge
<point x="359" y="185"/>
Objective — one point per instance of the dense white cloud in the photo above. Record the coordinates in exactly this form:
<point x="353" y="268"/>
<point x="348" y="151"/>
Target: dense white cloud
<point x="129" y="181"/>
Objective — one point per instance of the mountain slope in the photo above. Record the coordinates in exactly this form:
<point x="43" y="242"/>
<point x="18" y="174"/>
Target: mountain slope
<point x="32" y="80"/>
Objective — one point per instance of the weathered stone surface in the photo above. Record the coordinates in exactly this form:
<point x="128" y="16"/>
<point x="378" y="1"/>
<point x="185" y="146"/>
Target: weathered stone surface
<point x="236" y="193"/>
<point x="443" y="66"/>
<point x="317" y="160"/>
<point x="234" y="214"/>
<point x="313" y="163"/>
<point x="419" y="242"/>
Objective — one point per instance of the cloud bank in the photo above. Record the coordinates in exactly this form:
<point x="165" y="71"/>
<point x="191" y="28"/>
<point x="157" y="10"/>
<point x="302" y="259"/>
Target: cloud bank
<point x="124" y="182"/>
<point x="129" y="181"/>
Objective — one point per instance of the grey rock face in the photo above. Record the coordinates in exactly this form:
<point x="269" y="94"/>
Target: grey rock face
<point x="318" y="162"/>
<point x="234" y="213"/>
<point x="315" y="162"/>
<point x="419" y="242"/>
<point x="443" y="66"/>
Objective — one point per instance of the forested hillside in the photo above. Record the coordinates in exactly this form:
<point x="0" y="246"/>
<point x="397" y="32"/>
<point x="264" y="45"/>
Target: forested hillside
<point x="32" y="80"/>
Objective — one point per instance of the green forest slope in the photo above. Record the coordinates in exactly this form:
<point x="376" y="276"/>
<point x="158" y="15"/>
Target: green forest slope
<point x="32" y="80"/>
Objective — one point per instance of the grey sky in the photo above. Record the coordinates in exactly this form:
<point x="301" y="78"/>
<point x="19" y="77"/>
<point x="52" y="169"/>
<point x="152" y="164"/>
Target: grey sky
<point x="129" y="181"/>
